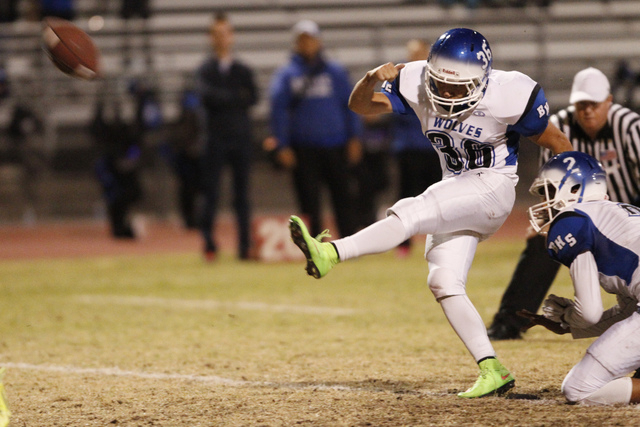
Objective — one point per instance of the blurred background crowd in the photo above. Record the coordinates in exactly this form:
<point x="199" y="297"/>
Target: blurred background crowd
<point x="133" y="141"/>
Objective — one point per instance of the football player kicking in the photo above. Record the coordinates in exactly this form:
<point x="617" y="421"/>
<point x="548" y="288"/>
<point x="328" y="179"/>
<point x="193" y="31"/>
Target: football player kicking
<point x="599" y="241"/>
<point x="474" y="117"/>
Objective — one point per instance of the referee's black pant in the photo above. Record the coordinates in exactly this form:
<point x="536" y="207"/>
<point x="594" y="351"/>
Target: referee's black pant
<point x="529" y="284"/>
<point x="315" y="168"/>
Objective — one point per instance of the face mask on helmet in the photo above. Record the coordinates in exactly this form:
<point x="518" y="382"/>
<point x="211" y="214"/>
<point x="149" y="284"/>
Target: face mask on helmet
<point x="566" y="179"/>
<point x="458" y="70"/>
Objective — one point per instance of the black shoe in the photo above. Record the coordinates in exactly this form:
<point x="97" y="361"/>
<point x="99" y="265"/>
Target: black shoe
<point x="502" y="331"/>
<point x="124" y="233"/>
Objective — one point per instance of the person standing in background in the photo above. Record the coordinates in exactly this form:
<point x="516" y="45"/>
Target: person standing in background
<point x="135" y="8"/>
<point x="314" y="133"/>
<point x="418" y="162"/>
<point x="9" y="11"/>
<point x="227" y="91"/>
<point x="183" y="152"/>
<point x="118" y="166"/>
<point x="372" y="172"/>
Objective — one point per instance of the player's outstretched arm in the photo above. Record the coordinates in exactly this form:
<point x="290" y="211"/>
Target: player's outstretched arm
<point x="553" y="139"/>
<point x="364" y="99"/>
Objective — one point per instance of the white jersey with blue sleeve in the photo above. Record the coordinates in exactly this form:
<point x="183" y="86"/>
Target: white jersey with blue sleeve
<point x="600" y="242"/>
<point x="488" y="137"/>
<point x="611" y="233"/>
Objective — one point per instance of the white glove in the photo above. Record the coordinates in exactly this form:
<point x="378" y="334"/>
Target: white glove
<point x="555" y="307"/>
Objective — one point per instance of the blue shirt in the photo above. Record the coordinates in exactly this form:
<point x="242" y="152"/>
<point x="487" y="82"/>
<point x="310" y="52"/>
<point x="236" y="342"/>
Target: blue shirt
<point x="309" y="105"/>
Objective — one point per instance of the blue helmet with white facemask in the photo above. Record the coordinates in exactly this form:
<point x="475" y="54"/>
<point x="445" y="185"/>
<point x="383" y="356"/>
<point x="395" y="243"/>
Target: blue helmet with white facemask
<point x="459" y="57"/>
<point x="566" y="179"/>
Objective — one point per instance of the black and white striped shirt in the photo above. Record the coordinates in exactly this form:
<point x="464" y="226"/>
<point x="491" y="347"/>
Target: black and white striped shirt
<point x="617" y="147"/>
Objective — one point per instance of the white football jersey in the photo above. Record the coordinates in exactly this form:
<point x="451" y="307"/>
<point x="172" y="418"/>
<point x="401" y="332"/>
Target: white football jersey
<point x="611" y="232"/>
<point x="488" y="137"/>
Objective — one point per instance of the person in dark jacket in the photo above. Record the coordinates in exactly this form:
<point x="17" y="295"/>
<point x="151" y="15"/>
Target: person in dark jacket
<point x="183" y="153"/>
<point x="227" y="91"/>
<point x="117" y="168"/>
<point x="314" y="133"/>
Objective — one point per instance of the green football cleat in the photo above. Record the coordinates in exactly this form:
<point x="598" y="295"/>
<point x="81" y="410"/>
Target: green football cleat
<point x="321" y="256"/>
<point x="4" y="408"/>
<point x="494" y="379"/>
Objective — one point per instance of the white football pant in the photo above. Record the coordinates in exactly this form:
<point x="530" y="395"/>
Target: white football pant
<point x="599" y="377"/>
<point x="455" y="213"/>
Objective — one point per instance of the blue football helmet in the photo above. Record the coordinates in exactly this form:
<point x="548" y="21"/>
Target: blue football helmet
<point x="459" y="57"/>
<point x="566" y="179"/>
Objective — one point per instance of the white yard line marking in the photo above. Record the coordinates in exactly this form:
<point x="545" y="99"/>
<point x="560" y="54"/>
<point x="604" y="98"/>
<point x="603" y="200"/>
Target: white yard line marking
<point x="210" y="379"/>
<point x="136" y="374"/>
<point x="122" y="373"/>
<point x="212" y="304"/>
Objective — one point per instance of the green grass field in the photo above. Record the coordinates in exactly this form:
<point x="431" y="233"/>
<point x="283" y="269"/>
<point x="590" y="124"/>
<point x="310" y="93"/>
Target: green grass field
<point x="169" y="341"/>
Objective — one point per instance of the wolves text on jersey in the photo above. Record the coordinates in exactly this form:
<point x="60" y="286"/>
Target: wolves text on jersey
<point x="456" y="126"/>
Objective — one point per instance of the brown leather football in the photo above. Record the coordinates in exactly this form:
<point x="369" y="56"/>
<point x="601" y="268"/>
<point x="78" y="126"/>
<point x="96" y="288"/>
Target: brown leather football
<point x="71" y="49"/>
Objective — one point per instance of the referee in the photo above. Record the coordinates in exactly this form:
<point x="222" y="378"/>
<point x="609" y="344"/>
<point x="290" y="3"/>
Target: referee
<point x="610" y="133"/>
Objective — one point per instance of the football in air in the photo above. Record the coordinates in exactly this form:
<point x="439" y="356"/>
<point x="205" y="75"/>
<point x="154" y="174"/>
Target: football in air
<point x="71" y="49"/>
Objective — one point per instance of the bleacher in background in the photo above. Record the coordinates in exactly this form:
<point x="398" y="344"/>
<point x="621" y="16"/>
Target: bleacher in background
<point x="549" y="44"/>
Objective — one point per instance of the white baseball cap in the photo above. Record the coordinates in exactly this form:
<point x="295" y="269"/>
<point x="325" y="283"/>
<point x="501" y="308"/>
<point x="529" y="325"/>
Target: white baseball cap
<point x="306" y="26"/>
<point x="589" y="84"/>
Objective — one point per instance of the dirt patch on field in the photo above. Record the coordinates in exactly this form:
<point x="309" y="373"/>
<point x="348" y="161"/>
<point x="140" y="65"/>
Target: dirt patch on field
<point x="121" y="401"/>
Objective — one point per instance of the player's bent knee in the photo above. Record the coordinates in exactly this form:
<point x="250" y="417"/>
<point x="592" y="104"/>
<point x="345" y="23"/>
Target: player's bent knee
<point x="445" y="282"/>
<point x="405" y="210"/>
<point x="572" y="393"/>
<point x="574" y="387"/>
<point x="591" y="383"/>
<point x="614" y="392"/>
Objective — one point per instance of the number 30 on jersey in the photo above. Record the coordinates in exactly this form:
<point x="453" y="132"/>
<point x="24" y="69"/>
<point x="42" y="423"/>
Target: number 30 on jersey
<point x="470" y="155"/>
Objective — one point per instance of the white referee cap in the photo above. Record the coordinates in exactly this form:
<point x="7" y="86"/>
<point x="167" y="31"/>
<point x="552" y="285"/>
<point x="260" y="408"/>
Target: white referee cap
<point x="589" y="84"/>
<point x="306" y="26"/>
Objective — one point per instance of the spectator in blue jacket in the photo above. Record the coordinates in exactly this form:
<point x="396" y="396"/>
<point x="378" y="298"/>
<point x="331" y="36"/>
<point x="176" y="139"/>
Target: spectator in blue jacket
<point x="314" y="133"/>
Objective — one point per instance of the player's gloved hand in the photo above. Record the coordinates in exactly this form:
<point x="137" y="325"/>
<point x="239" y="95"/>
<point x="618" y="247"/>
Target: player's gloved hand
<point x="555" y="307"/>
<point x="538" y="319"/>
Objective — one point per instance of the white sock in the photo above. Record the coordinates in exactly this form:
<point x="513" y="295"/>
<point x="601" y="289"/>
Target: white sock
<point x="466" y="321"/>
<point x="616" y="391"/>
<point x="379" y="237"/>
